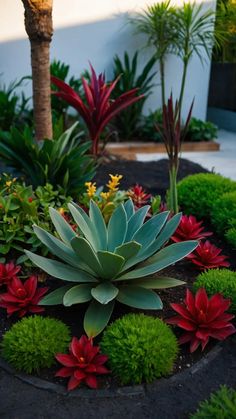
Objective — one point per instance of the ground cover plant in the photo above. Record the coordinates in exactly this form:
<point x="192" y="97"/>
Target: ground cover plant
<point x="221" y="405"/>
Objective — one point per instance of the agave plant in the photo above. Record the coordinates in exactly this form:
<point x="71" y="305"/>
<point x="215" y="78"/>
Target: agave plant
<point x="103" y="260"/>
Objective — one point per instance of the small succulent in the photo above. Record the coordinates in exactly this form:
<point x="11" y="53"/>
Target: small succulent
<point x="189" y="229"/>
<point x="208" y="256"/>
<point x="101" y="261"/>
<point x="8" y="271"/>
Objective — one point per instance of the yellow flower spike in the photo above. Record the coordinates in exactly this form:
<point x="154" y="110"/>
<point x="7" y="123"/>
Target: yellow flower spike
<point x="8" y="183"/>
<point x="105" y="195"/>
<point x="114" y="182"/>
<point x="91" y="188"/>
<point x="61" y="211"/>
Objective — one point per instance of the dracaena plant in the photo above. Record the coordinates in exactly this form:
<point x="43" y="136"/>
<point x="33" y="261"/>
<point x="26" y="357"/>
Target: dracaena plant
<point x="99" y="108"/>
<point x="173" y="134"/>
<point x="100" y="265"/>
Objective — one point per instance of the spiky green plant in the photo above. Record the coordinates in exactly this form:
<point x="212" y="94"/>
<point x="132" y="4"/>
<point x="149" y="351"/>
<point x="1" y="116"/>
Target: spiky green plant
<point x="102" y="260"/>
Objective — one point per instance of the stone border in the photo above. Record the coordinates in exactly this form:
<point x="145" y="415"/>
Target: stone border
<point x="127" y="391"/>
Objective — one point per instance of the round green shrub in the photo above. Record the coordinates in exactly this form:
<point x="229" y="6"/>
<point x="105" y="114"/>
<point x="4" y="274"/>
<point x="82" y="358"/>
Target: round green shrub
<point x="197" y="193"/>
<point x="140" y="348"/>
<point x="230" y="236"/>
<point x="223" y="212"/>
<point x="32" y="343"/>
<point x="218" y="280"/>
<point x="221" y="405"/>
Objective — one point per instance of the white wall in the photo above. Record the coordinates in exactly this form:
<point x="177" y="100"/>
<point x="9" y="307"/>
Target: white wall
<point x="93" y="30"/>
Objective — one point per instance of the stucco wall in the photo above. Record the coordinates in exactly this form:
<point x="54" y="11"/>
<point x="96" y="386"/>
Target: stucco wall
<point x="94" y="30"/>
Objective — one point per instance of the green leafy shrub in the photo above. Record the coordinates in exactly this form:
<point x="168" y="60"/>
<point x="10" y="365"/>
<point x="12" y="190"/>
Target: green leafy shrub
<point x="199" y="130"/>
<point x="198" y="193"/>
<point x="140" y="348"/>
<point x="218" y="280"/>
<point x="230" y="236"/>
<point x="221" y="405"/>
<point x="31" y="343"/>
<point x="223" y="212"/>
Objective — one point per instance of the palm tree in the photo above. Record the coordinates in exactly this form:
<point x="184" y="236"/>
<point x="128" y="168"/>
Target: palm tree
<point x="38" y="25"/>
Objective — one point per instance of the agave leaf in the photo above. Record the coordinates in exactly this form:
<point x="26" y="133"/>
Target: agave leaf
<point x="111" y="264"/>
<point x="136" y="221"/>
<point x="139" y="297"/>
<point x="60" y="270"/>
<point x="77" y="295"/>
<point x="84" y="223"/>
<point x="99" y="223"/>
<point x="157" y="282"/>
<point x="96" y="317"/>
<point x="104" y="292"/>
<point x="128" y="250"/>
<point x="117" y="228"/>
<point x="149" y="230"/>
<point x="54" y="297"/>
<point x="161" y="260"/>
<point x="129" y="208"/>
<point x="63" y="228"/>
<point x="85" y="251"/>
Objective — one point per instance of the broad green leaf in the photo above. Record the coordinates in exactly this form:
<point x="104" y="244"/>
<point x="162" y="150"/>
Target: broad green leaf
<point x="158" y="282"/>
<point x="139" y="297"/>
<point x="84" y="223"/>
<point x="136" y="221"/>
<point x="117" y="228"/>
<point x="149" y="230"/>
<point x="54" y="297"/>
<point x="165" y="257"/>
<point x="77" y="295"/>
<point x="85" y="251"/>
<point x="59" y="269"/>
<point x="128" y="250"/>
<point x="129" y="208"/>
<point x="111" y="264"/>
<point x="104" y="292"/>
<point x="99" y="224"/>
<point x="96" y="317"/>
<point x="63" y="228"/>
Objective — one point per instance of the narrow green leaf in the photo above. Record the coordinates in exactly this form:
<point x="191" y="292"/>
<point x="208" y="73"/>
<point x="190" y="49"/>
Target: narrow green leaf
<point x="85" y="251"/>
<point x="96" y="317"/>
<point x="128" y="250"/>
<point x="54" y="297"/>
<point x="63" y="228"/>
<point x="77" y="295"/>
<point x="105" y="292"/>
<point x="139" y="297"/>
<point x="158" y="282"/>
<point x="111" y="264"/>
<point x="99" y="223"/>
<point x="117" y="228"/>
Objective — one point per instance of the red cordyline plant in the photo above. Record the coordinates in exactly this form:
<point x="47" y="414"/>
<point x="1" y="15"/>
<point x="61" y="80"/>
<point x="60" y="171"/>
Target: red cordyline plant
<point x="139" y="195"/>
<point x="190" y="229"/>
<point x="7" y="272"/>
<point x="173" y="135"/>
<point x="203" y="318"/>
<point x="100" y="108"/>
<point x="208" y="256"/>
<point x="23" y="297"/>
<point x="82" y="364"/>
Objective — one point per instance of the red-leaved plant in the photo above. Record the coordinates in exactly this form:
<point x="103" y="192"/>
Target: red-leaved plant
<point x="23" y="297"/>
<point x="100" y="108"/>
<point x="208" y="256"/>
<point x="202" y="318"/>
<point x="82" y="364"/>
<point x="138" y="196"/>
<point x="8" y="271"/>
<point x="190" y="229"/>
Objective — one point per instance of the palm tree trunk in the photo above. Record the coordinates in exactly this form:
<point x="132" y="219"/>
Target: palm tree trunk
<point x="38" y="25"/>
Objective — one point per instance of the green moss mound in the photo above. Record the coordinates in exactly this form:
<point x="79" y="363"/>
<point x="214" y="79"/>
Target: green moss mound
<point x="221" y="405"/>
<point x="218" y="280"/>
<point x="198" y="193"/>
<point x="230" y="236"/>
<point x="223" y="212"/>
<point x="140" y="348"/>
<point x="31" y="343"/>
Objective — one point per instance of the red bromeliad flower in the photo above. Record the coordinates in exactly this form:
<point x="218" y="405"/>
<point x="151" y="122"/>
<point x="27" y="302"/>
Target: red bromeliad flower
<point x="8" y="271"/>
<point x="139" y="195"/>
<point x="22" y="298"/>
<point x="100" y="109"/>
<point x="82" y="364"/>
<point x="207" y="256"/>
<point x="203" y="318"/>
<point x="189" y="229"/>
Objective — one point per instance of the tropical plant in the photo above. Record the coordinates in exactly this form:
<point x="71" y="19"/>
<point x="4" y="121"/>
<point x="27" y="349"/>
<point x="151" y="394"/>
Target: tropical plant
<point x="100" y="108"/>
<point x="62" y="162"/>
<point x="221" y="405"/>
<point x="173" y="135"/>
<point x="103" y="260"/>
<point x="82" y="364"/>
<point x="13" y="108"/>
<point x="33" y="342"/>
<point x="140" y="348"/>
<point x="202" y="318"/>
<point x="157" y="22"/>
<point x="8" y="271"/>
<point x="199" y="130"/>
<point x="127" y="123"/>
<point x="221" y="281"/>
<point x="226" y="21"/>
<point x="190" y="229"/>
<point x="139" y="196"/>
<point x="208" y="256"/>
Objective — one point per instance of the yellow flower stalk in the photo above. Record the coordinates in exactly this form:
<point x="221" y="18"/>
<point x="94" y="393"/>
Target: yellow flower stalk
<point x="105" y="195"/>
<point x="91" y="188"/>
<point x="114" y="182"/>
